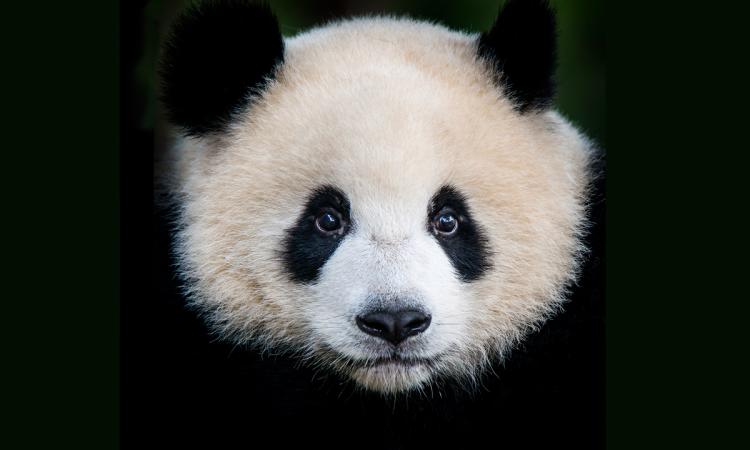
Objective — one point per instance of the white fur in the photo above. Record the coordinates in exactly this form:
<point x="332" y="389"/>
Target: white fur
<point x="388" y="111"/>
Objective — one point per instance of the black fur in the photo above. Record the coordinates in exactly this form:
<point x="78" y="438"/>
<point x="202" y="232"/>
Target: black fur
<point x="219" y="54"/>
<point x="522" y="47"/>
<point x="305" y="250"/>
<point x="468" y="249"/>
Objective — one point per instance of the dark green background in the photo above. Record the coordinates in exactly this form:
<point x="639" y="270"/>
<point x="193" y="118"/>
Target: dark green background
<point x="675" y="121"/>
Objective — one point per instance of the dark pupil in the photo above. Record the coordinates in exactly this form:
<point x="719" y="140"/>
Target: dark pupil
<point x="446" y="223"/>
<point x="328" y="222"/>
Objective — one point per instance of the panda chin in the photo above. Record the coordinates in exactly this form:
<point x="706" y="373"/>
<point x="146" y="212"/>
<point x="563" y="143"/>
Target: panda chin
<point x="392" y="377"/>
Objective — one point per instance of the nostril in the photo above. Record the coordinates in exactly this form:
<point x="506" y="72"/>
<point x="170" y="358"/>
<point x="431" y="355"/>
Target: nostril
<point x="376" y="324"/>
<point x="371" y="324"/>
<point x="414" y="322"/>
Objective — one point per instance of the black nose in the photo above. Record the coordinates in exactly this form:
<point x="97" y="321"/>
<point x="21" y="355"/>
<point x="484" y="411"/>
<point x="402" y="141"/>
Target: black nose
<point x="393" y="326"/>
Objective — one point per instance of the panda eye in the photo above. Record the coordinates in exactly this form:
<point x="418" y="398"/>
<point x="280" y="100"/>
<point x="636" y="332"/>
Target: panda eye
<point x="445" y="223"/>
<point x="328" y="222"/>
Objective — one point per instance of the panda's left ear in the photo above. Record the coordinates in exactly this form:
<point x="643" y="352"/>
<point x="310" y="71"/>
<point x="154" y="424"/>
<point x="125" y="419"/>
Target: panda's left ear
<point x="521" y="47"/>
<point x="220" y="53"/>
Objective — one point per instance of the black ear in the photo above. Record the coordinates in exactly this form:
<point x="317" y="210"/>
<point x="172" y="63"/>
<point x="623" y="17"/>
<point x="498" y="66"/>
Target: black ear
<point x="219" y="54"/>
<point x="521" y="46"/>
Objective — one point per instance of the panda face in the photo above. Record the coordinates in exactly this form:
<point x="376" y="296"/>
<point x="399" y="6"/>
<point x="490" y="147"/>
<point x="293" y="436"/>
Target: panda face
<point x="380" y="207"/>
<point x="385" y="282"/>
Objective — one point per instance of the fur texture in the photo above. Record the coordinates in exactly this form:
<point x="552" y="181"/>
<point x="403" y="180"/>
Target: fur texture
<point x="388" y="111"/>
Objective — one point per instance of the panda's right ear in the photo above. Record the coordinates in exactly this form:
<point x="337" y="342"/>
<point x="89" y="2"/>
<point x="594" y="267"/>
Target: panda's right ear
<point x="219" y="54"/>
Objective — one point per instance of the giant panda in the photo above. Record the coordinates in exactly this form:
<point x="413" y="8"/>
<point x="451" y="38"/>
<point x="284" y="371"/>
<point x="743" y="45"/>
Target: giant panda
<point x="378" y="233"/>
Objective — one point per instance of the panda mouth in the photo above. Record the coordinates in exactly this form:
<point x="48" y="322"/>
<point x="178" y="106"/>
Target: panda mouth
<point x="392" y="360"/>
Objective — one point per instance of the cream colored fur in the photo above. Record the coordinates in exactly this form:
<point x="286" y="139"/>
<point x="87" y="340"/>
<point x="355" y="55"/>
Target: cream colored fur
<point x="387" y="110"/>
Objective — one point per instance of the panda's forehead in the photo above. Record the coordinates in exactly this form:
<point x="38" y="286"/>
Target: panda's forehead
<point x="366" y="76"/>
<point x="388" y="185"/>
<point x="380" y="42"/>
<point x="388" y="121"/>
<point x="379" y="125"/>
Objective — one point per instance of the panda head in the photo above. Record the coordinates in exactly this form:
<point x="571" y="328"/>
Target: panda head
<point x="385" y="198"/>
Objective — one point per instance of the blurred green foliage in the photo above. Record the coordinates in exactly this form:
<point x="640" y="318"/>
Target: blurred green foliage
<point x="580" y="75"/>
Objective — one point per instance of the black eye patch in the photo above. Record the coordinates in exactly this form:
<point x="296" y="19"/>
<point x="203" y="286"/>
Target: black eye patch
<point x="305" y="249"/>
<point x="467" y="248"/>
